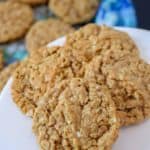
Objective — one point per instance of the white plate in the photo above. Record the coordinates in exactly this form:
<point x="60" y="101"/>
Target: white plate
<point x="15" y="128"/>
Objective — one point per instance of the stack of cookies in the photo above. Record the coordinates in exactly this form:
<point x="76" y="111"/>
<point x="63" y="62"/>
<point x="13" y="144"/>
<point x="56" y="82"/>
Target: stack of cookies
<point x="80" y="94"/>
<point x="17" y="21"/>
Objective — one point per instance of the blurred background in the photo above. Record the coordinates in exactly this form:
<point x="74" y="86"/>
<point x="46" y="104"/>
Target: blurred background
<point x="126" y="13"/>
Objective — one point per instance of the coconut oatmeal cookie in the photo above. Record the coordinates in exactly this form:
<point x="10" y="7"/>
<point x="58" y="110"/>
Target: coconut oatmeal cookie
<point x="74" y="11"/>
<point x="45" y="31"/>
<point x="79" y="115"/>
<point x="128" y="79"/>
<point x="97" y="40"/>
<point x="15" y="20"/>
<point x="33" y="79"/>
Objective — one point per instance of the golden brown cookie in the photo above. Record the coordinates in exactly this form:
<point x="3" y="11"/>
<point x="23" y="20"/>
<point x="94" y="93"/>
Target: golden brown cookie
<point x="15" y="20"/>
<point x="78" y="115"/>
<point x="74" y="11"/>
<point x="128" y="79"/>
<point x="1" y="60"/>
<point x="6" y="73"/>
<point x="31" y="2"/>
<point x="96" y="40"/>
<point x="43" y="32"/>
<point x="33" y="79"/>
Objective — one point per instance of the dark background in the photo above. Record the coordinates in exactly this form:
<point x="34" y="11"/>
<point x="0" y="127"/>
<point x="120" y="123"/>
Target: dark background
<point x="143" y="13"/>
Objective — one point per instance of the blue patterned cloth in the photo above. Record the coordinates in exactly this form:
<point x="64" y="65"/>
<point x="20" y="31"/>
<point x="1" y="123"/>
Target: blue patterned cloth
<point x="116" y="13"/>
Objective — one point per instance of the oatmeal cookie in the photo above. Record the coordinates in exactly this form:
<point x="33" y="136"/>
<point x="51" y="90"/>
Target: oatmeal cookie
<point x="15" y="20"/>
<point x="1" y="61"/>
<point x="79" y="115"/>
<point x="6" y="73"/>
<point x="97" y="40"/>
<point x="31" y="2"/>
<point x="74" y="11"/>
<point x="128" y="79"/>
<point x="45" y="31"/>
<point x="33" y="79"/>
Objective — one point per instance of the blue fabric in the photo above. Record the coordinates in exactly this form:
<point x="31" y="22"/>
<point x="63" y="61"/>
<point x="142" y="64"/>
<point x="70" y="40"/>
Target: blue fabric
<point x="116" y="13"/>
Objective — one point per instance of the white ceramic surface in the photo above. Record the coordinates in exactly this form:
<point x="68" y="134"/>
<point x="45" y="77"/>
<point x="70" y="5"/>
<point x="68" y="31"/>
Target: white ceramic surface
<point x="16" y="129"/>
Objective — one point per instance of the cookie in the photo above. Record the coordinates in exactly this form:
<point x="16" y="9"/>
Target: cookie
<point x="128" y="80"/>
<point x="78" y="115"/>
<point x="74" y="12"/>
<point x="6" y="73"/>
<point x="16" y="18"/>
<point x="96" y="40"/>
<point x="31" y="2"/>
<point x="33" y="79"/>
<point x="45" y="31"/>
<point x="1" y="61"/>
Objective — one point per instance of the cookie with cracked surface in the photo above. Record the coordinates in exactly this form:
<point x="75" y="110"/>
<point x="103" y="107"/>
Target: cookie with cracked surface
<point x="79" y="115"/>
<point x="73" y="11"/>
<point x="45" y="31"/>
<point x="128" y="79"/>
<point x="6" y="73"/>
<point x="33" y="79"/>
<point x="1" y="61"/>
<point x="97" y="40"/>
<point x="31" y="2"/>
<point x="16" y="18"/>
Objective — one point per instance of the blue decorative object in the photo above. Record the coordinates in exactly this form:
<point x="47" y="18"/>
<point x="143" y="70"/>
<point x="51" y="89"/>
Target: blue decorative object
<point x="116" y="13"/>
